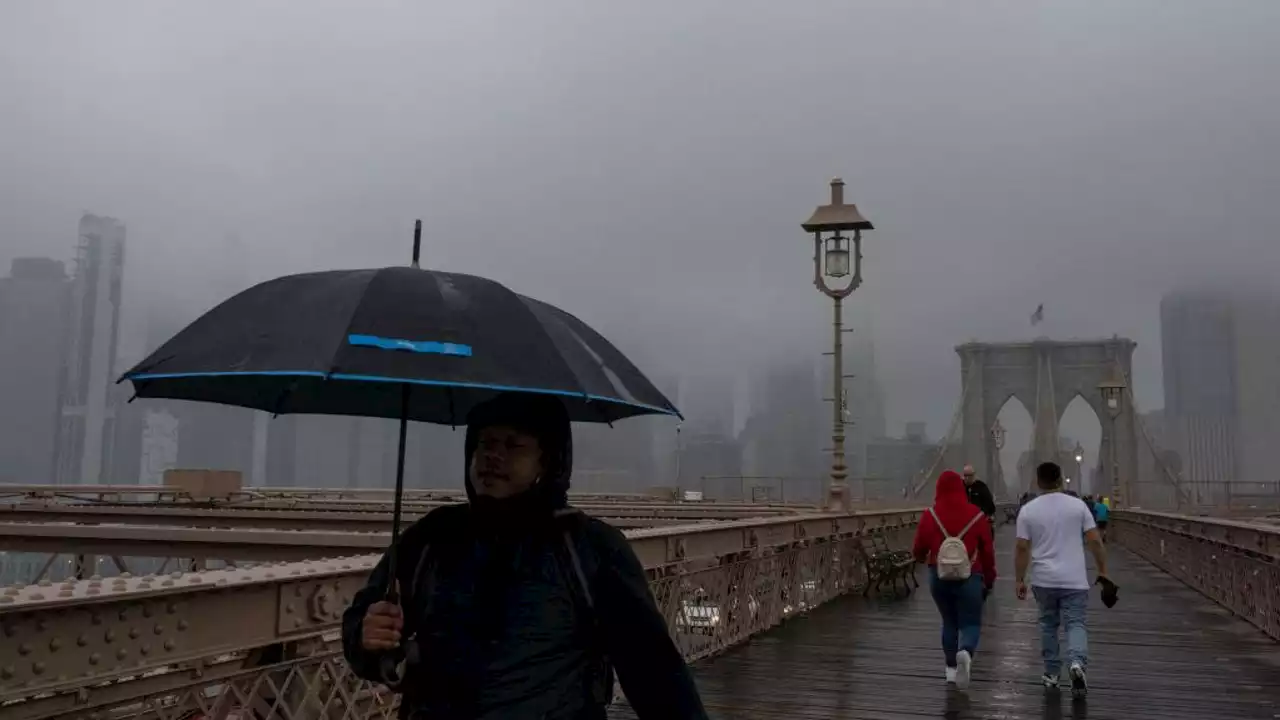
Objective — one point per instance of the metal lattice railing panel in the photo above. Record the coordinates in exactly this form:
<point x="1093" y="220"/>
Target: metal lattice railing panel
<point x="715" y="586"/>
<point x="1234" y="564"/>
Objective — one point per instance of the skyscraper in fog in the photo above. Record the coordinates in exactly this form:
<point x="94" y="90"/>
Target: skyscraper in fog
<point x="87" y="416"/>
<point x="1221" y="361"/>
<point x="33" y="331"/>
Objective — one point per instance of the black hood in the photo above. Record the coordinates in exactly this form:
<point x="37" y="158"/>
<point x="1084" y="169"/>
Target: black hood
<point x="542" y="416"/>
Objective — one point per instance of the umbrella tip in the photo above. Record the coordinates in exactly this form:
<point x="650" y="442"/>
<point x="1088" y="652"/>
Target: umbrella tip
<point x="417" y="241"/>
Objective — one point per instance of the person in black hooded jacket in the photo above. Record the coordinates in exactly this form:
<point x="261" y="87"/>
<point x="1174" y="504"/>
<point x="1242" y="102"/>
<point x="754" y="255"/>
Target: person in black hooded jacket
<point x="514" y="605"/>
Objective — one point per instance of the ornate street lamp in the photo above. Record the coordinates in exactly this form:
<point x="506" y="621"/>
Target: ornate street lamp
<point x="832" y="246"/>
<point x="997" y="440"/>
<point x="1113" y="392"/>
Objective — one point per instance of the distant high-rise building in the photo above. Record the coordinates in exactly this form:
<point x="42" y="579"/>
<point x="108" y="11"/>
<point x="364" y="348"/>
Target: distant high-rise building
<point x="788" y="428"/>
<point x="1221" y="361"/>
<point x="708" y="404"/>
<point x="33" y="332"/>
<point x="85" y="427"/>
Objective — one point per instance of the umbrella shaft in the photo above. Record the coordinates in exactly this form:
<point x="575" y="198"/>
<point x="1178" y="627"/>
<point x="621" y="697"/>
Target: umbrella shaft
<point x="392" y="566"/>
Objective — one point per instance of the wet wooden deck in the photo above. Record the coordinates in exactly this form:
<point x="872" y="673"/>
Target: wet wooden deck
<point x="1163" y="652"/>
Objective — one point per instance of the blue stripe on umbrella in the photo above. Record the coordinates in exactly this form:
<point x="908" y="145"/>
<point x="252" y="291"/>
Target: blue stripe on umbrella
<point x="418" y="346"/>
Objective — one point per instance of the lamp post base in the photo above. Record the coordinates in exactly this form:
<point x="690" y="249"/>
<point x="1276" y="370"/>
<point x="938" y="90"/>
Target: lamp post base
<point x="838" y="497"/>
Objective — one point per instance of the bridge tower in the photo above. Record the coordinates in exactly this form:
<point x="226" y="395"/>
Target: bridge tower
<point x="1045" y="376"/>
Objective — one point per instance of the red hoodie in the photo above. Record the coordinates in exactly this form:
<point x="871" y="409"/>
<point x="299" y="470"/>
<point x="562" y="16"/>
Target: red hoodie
<point x="952" y="505"/>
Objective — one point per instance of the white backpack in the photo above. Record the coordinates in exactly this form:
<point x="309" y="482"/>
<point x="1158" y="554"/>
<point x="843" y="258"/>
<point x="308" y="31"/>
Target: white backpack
<point x="954" y="561"/>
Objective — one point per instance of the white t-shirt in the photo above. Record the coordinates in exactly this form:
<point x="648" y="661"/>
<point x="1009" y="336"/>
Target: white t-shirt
<point x="1055" y="524"/>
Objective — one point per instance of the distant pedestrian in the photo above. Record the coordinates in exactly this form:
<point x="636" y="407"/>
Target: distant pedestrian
<point x="1101" y="515"/>
<point x="954" y="539"/>
<point x="979" y="494"/>
<point x="1049" y="529"/>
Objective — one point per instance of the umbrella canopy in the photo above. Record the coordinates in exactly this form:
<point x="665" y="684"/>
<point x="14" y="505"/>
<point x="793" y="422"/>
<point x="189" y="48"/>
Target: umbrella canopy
<point x="347" y="342"/>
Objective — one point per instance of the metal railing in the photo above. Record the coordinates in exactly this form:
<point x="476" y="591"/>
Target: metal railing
<point x="262" y="642"/>
<point x="1234" y="563"/>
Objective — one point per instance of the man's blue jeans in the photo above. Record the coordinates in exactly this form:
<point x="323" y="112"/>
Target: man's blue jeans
<point x="960" y="604"/>
<point x="1068" y="608"/>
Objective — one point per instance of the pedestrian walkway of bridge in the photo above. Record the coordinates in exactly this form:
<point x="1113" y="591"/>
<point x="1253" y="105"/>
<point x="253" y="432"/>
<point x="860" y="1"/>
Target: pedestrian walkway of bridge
<point x="1164" y="651"/>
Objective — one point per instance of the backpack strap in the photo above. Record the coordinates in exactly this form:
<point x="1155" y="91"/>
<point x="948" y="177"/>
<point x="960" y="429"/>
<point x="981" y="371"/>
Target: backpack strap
<point x="601" y="688"/>
<point x="943" y="528"/>
<point x="972" y="522"/>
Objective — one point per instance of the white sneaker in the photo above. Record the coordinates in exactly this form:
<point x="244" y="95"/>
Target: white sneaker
<point x="964" y="663"/>
<point x="1050" y="681"/>
<point x="1079" y="683"/>
<point x="951" y="675"/>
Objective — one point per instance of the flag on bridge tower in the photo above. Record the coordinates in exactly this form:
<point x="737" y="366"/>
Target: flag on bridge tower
<point x="1038" y="316"/>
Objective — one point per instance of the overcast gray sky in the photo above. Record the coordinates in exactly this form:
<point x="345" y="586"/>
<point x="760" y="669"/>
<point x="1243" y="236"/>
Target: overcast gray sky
<point x="646" y="165"/>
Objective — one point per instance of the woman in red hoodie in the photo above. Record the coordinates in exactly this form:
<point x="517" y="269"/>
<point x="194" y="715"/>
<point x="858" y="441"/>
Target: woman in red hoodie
<point x="959" y="601"/>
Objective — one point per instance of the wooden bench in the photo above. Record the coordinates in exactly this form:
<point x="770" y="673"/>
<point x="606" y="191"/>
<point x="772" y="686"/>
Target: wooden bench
<point x="887" y="566"/>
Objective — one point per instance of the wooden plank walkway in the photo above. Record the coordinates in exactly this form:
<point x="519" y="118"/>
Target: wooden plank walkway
<point x="1163" y="652"/>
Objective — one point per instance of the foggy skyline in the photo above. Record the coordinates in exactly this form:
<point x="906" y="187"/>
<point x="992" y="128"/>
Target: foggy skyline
<point x="647" y="167"/>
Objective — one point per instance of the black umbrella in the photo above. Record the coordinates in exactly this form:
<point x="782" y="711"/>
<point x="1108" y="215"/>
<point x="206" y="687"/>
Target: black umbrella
<point x="396" y="342"/>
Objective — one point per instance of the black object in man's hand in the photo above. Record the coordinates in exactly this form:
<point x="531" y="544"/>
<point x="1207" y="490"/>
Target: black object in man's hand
<point x="1110" y="591"/>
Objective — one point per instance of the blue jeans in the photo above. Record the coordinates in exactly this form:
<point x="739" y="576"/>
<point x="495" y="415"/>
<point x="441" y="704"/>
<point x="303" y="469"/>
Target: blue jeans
<point x="960" y="604"/>
<point x="1068" y="608"/>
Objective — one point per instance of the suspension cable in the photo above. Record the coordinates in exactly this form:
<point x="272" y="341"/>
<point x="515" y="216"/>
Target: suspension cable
<point x="923" y="478"/>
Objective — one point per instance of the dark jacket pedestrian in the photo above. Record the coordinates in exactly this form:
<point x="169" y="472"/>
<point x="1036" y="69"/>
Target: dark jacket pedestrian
<point x="978" y="492"/>
<point x="516" y="606"/>
<point x="959" y="601"/>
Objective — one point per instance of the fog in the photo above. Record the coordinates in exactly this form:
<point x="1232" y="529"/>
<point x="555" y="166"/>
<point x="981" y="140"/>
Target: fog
<point x="646" y="165"/>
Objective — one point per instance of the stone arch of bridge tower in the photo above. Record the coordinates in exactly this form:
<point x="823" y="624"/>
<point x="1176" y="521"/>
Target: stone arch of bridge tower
<point x="1045" y="376"/>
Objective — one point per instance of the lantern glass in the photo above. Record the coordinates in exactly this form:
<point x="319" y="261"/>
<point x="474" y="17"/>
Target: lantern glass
<point x="837" y="265"/>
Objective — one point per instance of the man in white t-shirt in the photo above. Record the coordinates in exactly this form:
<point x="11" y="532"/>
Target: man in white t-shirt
<point x="1049" y="543"/>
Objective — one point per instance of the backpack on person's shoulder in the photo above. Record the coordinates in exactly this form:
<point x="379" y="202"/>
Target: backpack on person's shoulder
<point x="954" y="561"/>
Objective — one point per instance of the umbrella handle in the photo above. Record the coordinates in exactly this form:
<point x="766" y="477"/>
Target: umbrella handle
<point x="391" y="668"/>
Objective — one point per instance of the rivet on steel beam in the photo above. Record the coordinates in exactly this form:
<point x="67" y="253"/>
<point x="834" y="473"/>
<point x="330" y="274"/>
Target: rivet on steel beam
<point x="126" y="575"/>
<point x="169" y="644"/>
<point x="167" y="583"/>
<point x="55" y="644"/>
<point x="41" y="624"/>
<point x="134" y="633"/>
<point x="66" y="593"/>
<point x="171" y="608"/>
<point x="183" y="624"/>
<point x="7" y="672"/>
<point x="95" y="578"/>
<point x="122" y="653"/>
<point x="158" y="629"/>
<point x="145" y="649"/>
<point x="82" y="640"/>
<point x="124" y="614"/>
<point x="95" y="619"/>
<point x="24" y="649"/>
<point x="94" y="658"/>
<point x="10" y="631"/>
<point x="38" y="668"/>
<point x="93" y="591"/>
<point x="109" y="635"/>
<point x="35" y="596"/>
<point x="46" y="583"/>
